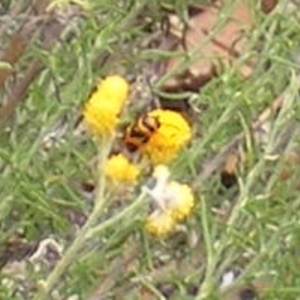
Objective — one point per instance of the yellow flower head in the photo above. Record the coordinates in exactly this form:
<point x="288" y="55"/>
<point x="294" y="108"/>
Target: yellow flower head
<point x="119" y="168"/>
<point x="179" y="200"/>
<point x="160" y="223"/>
<point x="101" y="111"/>
<point x="114" y="88"/>
<point x="165" y="143"/>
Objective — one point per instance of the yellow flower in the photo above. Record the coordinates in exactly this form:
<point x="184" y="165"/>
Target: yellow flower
<point x="115" y="88"/>
<point x="165" y="143"/>
<point x="100" y="118"/>
<point x="160" y="223"/>
<point x="119" y="168"/>
<point x="179" y="200"/>
<point x="101" y="111"/>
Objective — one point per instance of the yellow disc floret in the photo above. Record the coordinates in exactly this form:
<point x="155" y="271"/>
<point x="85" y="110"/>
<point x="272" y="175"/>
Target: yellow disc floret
<point x="101" y="110"/>
<point x="165" y="143"/>
<point x="114" y="88"/>
<point x="160" y="223"/>
<point x="119" y="168"/>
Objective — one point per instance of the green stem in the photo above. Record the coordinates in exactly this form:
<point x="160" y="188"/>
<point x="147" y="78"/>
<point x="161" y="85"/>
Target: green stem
<point x="78" y="243"/>
<point x="85" y="233"/>
<point x="68" y="257"/>
<point x="113" y="220"/>
<point x="207" y="284"/>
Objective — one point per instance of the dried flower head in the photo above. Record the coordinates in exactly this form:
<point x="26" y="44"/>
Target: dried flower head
<point x="165" y="143"/>
<point x="119" y="168"/>
<point x="179" y="200"/>
<point x="101" y="111"/>
<point x="160" y="223"/>
<point x="161" y="173"/>
<point x="172" y="200"/>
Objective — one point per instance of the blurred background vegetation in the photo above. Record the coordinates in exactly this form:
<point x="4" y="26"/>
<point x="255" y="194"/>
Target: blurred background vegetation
<point x="51" y="55"/>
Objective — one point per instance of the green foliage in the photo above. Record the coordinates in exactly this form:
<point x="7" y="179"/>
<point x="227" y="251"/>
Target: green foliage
<point x="40" y="185"/>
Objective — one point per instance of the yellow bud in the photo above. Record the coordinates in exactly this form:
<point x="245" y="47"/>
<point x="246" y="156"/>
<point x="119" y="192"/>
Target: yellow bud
<point x="119" y="168"/>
